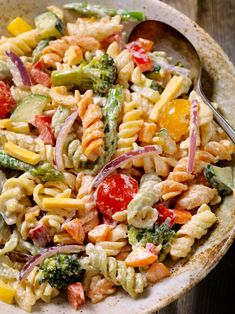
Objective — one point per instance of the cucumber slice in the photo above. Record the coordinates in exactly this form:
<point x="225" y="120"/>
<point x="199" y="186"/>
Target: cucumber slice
<point x="28" y="107"/>
<point x="49" y="25"/>
<point x="220" y="178"/>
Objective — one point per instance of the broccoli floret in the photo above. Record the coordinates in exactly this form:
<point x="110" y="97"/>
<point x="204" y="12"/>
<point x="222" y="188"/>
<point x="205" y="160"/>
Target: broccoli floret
<point x="158" y="234"/>
<point x="61" y="270"/>
<point x="98" y="75"/>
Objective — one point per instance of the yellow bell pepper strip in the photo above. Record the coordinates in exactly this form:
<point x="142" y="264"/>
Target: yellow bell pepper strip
<point x="6" y="293"/>
<point x="18" y="26"/>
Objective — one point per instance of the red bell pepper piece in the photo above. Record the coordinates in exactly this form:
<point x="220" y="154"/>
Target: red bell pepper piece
<point x="43" y="124"/>
<point x="140" y="55"/>
<point x="165" y="215"/>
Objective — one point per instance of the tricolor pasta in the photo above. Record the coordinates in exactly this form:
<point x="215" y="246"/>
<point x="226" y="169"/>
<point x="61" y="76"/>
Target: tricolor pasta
<point x="98" y="183"/>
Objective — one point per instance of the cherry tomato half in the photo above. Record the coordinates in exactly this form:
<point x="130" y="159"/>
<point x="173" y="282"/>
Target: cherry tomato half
<point x="7" y="102"/>
<point x="115" y="193"/>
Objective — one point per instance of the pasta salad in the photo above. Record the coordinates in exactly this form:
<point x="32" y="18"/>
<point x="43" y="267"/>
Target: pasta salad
<point x="111" y="164"/>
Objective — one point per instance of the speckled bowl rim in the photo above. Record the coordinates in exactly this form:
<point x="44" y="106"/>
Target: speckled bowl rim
<point x="206" y="256"/>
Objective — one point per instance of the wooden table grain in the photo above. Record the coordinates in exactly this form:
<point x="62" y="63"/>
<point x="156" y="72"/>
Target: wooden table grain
<point x="216" y="293"/>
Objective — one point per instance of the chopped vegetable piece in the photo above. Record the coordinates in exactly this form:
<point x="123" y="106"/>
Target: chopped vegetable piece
<point x="165" y="215"/>
<point x="220" y="178"/>
<point x="140" y="257"/>
<point x="89" y="10"/>
<point x="61" y="139"/>
<point x="28" y="107"/>
<point x="99" y="233"/>
<point x="169" y="93"/>
<point x="45" y="254"/>
<point x="193" y="130"/>
<point x="6" y="293"/>
<point x="49" y="25"/>
<point x="158" y="234"/>
<point x="18" y="26"/>
<point x="140" y="56"/>
<point x="21" y="153"/>
<point x="43" y="124"/>
<point x="157" y="272"/>
<point x="7" y="102"/>
<point x="57" y="202"/>
<point x="175" y="116"/>
<point x="122" y="159"/>
<point x="115" y="193"/>
<point x="146" y="44"/>
<point x="18" y="70"/>
<point x="107" y="41"/>
<point x="46" y="172"/>
<point x="76" y="296"/>
<point x="40" y="235"/>
<point x="182" y="216"/>
<point x="74" y="228"/>
<point x="38" y="76"/>
<point x="60" y="270"/>
<point x="98" y="75"/>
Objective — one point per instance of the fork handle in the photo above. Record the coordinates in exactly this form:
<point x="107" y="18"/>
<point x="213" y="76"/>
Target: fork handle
<point x="217" y="116"/>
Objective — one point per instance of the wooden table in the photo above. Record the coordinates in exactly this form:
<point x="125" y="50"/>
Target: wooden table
<point x="216" y="293"/>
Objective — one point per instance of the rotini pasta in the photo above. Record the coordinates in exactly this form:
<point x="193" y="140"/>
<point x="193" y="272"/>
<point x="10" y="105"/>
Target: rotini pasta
<point x="194" y="229"/>
<point x="116" y="271"/>
<point x="129" y="128"/>
<point x="93" y="127"/>
<point x="61" y="48"/>
<point x="99" y="30"/>
<point x="21" y="44"/>
<point x="14" y="196"/>
<point x="140" y="212"/>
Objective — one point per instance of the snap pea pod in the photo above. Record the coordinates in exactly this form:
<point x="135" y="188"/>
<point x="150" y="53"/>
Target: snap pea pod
<point x="88" y="10"/>
<point x="44" y="170"/>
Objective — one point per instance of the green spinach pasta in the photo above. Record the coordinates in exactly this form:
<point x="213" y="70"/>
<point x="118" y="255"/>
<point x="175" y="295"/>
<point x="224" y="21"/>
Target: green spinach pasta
<point x="99" y="187"/>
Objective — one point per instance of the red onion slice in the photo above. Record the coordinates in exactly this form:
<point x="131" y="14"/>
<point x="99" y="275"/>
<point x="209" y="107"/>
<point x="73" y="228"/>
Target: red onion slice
<point x="38" y="259"/>
<point x="62" y="138"/>
<point x="120" y="160"/>
<point x="18" y="70"/>
<point x="193" y="135"/>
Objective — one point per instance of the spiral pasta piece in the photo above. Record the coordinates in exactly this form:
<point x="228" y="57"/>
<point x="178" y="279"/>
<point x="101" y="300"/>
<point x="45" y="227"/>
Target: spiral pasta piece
<point x="99" y="288"/>
<point x="129" y="128"/>
<point x="21" y="44"/>
<point x="194" y="229"/>
<point x="195" y="196"/>
<point x="98" y="29"/>
<point x="140" y="212"/>
<point x="125" y="66"/>
<point x="93" y="127"/>
<point x="116" y="271"/>
<point x="222" y="150"/>
<point x="57" y="49"/>
<point x="14" y="196"/>
<point x="160" y="165"/>
<point x="29" y="291"/>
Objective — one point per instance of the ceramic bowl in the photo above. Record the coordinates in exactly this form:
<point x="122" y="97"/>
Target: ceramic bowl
<point x="220" y="88"/>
